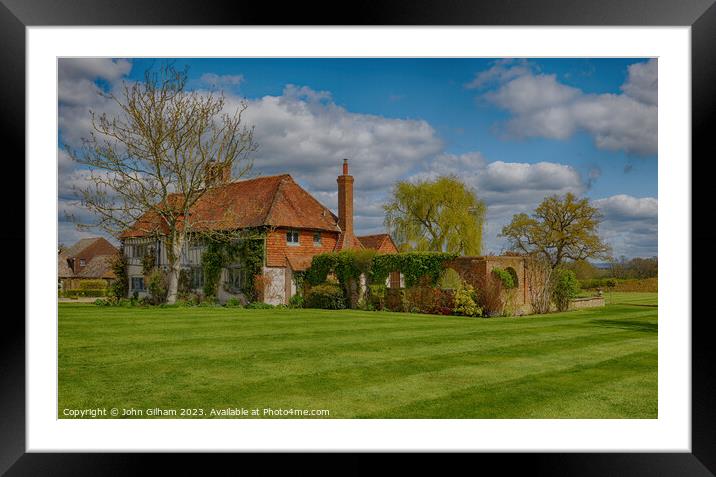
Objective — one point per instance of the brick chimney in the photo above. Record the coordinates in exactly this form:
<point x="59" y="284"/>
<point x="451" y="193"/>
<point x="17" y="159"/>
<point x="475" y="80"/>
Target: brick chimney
<point x="345" y="201"/>
<point x="217" y="174"/>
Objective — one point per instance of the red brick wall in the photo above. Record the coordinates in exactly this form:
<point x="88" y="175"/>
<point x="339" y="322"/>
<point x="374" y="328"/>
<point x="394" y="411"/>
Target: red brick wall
<point x="277" y="249"/>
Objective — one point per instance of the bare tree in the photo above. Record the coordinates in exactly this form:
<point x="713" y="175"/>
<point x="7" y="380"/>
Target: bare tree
<point x="156" y="158"/>
<point x="539" y="280"/>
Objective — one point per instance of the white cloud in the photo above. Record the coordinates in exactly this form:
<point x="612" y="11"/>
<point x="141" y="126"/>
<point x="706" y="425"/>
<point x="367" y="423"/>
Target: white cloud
<point x="81" y="68"/>
<point x="624" y="207"/>
<point x="502" y="71"/>
<point x="630" y="225"/>
<point x="541" y="106"/>
<point x="308" y="129"/>
<point x="642" y="83"/>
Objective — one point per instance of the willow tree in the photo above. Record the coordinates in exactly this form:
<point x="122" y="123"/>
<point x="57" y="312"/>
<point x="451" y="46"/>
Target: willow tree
<point x="157" y="157"/>
<point x="561" y="228"/>
<point x="441" y="215"/>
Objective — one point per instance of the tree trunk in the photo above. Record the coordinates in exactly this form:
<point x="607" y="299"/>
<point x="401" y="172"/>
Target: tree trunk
<point x="174" y="259"/>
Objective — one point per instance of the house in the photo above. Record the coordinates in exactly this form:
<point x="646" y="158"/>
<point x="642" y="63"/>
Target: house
<point x="88" y="259"/>
<point x="296" y="227"/>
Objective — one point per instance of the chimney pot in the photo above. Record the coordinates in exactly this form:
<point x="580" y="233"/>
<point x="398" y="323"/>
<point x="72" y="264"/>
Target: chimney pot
<point x="345" y="167"/>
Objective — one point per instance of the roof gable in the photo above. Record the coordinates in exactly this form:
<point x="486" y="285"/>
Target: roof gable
<point x="276" y="201"/>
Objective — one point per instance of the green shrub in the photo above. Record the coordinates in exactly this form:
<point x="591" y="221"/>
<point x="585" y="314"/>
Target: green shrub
<point x="78" y="292"/>
<point x="120" y="285"/>
<point x="326" y="296"/>
<point x="92" y="285"/>
<point x="376" y="296"/>
<point x="505" y="277"/>
<point x="450" y="280"/>
<point x="157" y="287"/>
<point x="233" y="303"/>
<point x="259" y="305"/>
<point x="465" y="302"/>
<point x="296" y="301"/>
<point x="565" y="287"/>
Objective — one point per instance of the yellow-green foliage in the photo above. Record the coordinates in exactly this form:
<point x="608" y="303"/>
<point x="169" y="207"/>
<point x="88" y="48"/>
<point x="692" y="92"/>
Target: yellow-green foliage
<point x="443" y="215"/>
<point x="92" y="285"/>
<point x="465" y="303"/>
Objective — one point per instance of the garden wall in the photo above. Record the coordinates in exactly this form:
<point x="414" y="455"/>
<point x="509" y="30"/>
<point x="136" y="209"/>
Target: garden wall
<point x="588" y="302"/>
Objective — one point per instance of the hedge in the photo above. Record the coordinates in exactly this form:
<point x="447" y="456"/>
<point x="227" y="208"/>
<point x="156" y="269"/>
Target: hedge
<point x="76" y="292"/>
<point x="92" y="285"/>
<point x="326" y="296"/>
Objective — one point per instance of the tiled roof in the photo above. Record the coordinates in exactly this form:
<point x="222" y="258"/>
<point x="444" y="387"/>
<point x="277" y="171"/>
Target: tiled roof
<point x="347" y="241"/>
<point x="81" y="244"/>
<point x="63" y="268"/>
<point x="299" y="263"/>
<point x="276" y="201"/>
<point x="376" y="241"/>
<point x="98" y="267"/>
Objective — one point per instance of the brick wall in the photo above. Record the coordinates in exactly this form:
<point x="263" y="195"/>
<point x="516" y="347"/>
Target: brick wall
<point x="277" y="249"/>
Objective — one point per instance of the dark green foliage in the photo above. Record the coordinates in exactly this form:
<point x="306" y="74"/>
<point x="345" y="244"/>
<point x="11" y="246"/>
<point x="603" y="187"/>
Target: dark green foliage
<point x="120" y="286"/>
<point x="157" y="287"/>
<point x="233" y="303"/>
<point x="326" y="296"/>
<point x="221" y="252"/>
<point x="299" y="279"/>
<point x="413" y="265"/>
<point x="566" y="287"/>
<point x="376" y="296"/>
<point x="149" y="261"/>
<point x="296" y="301"/>
<point x="506" y="278"/>
<point x="350" y="264"/>
<point x="77" y="292"/>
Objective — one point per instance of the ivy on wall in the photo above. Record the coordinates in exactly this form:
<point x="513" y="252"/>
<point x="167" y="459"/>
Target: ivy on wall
<point x="350" y="264"/>
<point x="415" y="266"/>
<point x="248" y="249"/>
<point x="506" y="277"/>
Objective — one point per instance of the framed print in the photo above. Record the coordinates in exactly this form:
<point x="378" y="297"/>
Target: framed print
<point x="435" y="229"/>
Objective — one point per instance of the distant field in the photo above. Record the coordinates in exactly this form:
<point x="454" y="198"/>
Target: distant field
<point x="592" y="363"/>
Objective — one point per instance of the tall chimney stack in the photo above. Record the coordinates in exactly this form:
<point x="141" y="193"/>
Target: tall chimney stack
<point x="345" y="201"/>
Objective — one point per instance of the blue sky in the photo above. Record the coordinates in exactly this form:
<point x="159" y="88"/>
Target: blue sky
<point x="515" y="130"/>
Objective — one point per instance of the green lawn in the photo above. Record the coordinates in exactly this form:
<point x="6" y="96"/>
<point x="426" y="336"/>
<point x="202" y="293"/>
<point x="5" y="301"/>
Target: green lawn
<point x="594" y="363"/>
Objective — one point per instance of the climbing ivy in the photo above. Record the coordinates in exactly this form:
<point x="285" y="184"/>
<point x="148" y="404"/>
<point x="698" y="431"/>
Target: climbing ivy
<point x="220" y="252"/>
<point x="415" y="266"/>
<point x="346" y="265"/>
<point x="505" y="277"/>
<point x="349" y="264"/>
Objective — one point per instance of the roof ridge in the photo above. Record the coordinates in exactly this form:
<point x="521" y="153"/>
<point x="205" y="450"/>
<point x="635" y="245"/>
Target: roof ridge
<point x="269" y="211"/>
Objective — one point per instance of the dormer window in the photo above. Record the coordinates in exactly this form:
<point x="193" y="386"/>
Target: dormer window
<point x="292" y="237"/>
<point x="317" y="239"/>
<point x="82" y="262"/>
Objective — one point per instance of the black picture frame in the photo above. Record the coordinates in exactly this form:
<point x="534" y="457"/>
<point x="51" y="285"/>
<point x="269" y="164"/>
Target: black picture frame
<point x="700" y="15"/>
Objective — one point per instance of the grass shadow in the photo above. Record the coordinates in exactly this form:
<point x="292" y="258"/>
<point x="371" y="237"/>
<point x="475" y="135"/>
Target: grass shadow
<point x="628" y="325"/>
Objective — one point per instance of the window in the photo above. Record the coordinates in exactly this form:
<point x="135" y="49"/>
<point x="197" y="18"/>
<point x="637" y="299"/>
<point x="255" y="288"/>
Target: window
<point x="82" y="262"/>
<point x="235" y="279"/>
<point x="138" y="283"/>
<point x="137" y="251"/>
<point x="317" y="239"/>
<point x="292" y="237"/>
<point x="197" y="277"/>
